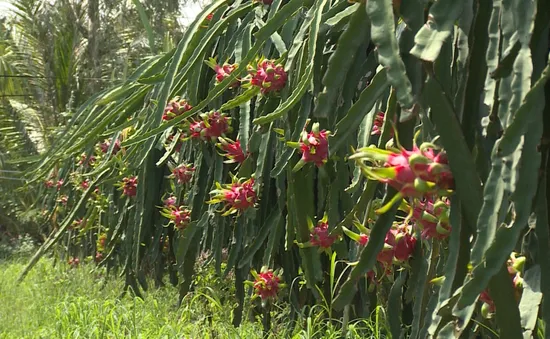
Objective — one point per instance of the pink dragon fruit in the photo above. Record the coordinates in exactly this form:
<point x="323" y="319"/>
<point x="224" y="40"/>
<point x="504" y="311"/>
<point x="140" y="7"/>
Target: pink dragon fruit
<point x="179" y="216"/>
<point x="183" y="173"/>
<point x="59" y="184"/>
<point x="170" y="201"/>
<point x="174" y="108"/>
<point x="212" y="126"/>
<point x="320" y="235"/>
<point x="237" y="196"/>
<point x="379" y="123"/>
<point x="129" y="186"/>
<point x="268" y="76"/>
<point x="104" y="146"/>
<point x="432" y="218"/>
<point x="313" y="146"/>
<point x="232" y="150"/>
<point x="418" y="173"/>
<point x="267" y="283"/>
<point x="223" y="71"/>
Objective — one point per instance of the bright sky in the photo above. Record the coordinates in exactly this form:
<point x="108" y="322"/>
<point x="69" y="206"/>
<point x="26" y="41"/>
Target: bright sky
<point x="4" y="7"/>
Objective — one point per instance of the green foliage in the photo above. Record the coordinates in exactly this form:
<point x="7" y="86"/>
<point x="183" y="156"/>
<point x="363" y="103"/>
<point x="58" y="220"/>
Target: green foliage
<point x="453" y="184"/>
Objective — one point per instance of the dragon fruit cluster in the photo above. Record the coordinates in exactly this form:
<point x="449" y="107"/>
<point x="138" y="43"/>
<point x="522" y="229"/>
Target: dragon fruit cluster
<point x="237" y="197"/>
<point x="515" y="266"/>
<point x="210" y="127"/>
<point x="419" y="173"/>
<point x="232" y="150"/>
<point x="175" y="108"/>
<point x="183" y="173"/>
<point x="129" y="186"/>
<point x="267" y="284"/>
<point x="268" y="76"/>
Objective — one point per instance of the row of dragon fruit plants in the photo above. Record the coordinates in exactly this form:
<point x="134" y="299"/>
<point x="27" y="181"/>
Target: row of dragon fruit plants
<point x="249" y="157"/>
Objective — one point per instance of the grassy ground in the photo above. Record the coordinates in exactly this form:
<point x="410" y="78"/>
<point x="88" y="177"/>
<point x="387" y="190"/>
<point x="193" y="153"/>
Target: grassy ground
<point x="55" y="301"/>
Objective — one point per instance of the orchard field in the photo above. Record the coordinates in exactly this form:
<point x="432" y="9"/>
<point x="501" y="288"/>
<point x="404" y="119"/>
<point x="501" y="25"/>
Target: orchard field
<point x="275" y="168"/>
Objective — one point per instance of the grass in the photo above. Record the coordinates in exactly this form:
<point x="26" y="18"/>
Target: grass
<point x="56" y="301"/>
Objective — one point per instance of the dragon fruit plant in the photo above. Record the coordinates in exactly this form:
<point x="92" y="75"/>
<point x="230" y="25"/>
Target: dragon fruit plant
<point x="237" y="197"/>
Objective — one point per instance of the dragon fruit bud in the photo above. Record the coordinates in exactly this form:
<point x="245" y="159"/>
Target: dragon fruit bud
<point x="129" y="186"/>
<point x="232" y="150"/>
<point x="363" y="239"/>
<point x="183" y="173"/>
<point x="237" y="196"/>
<point x="267" y="284"/>
<point x="175" y="108"/>
<point x="320" y="236"/>
<point x="268" y="76"/>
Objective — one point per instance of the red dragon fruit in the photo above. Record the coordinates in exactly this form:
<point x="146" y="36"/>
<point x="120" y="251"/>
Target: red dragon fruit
<point x="179" y="216"/>
<point x="223" y="71"/>
<point x="74" y="262"/>
<point x="59" y="184"/>
<point x="432" y="218"/>
<point x="379" y="123"/>
<point x="183" y="173"/>
<point x="268" y="76"/>
<point x="104" y="146"/>
<point x="267" y="284"/>
<point x="49" y="183"/>
<point x="129" y="186"/>
<point x="313" y="146"/>
<point x="232" y="150"/>
<point x="418" y="173"/>
<point x="211" y="126"/>
<point x="320" y="235"/>
<point x="237" y="196"/>
<point x="85" y="184"/>
<point x="174" y="108"/>
<point x="85" y="160"/>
